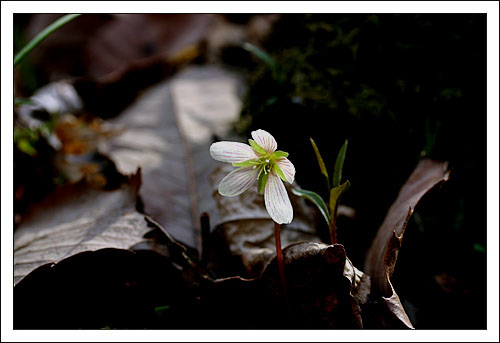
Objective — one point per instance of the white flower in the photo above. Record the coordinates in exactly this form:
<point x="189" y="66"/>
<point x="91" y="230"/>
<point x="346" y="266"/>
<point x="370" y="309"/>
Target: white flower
<point x="258" y="161"/>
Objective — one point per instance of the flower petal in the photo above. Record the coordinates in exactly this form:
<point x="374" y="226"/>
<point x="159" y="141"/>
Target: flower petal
<point x="231" y="152"/>
<point x="276" y="199"/>
<point x="265" y="140"/>
<point x="238" y="181"/>
<point x="287" y="168"/>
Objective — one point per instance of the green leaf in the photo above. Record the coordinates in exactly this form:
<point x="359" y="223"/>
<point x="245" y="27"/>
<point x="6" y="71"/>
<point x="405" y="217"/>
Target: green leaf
<point x="42" y="35"/>
<point x="316" y="199"/>
<point x="279" y="154"/>
<point x="255" y="146"/>
<point x="339" y="164"/>
<point x="335" y="194"/>
<point x="278" y="171"/>
<point x="245" y="163"/>
<point x="320" y="162"/>
<point x="262" y="182"/>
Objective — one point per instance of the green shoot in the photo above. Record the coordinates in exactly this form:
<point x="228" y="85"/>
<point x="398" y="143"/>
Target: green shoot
<point x="329" y="211"/>
<point x="321" y="164"/>
<point x="339" y="164"/>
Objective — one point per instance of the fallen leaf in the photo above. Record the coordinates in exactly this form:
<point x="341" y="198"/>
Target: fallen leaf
<point x="360" y="282"/>
<point x="322" y="279"/>
<point x="382" y="256"/>
<point x="117" y="45"/>
<point x="75" y="219"/>
<point x="121" y="64"/>
<point x="322" y="283"/>
<point x="167" y="133"/>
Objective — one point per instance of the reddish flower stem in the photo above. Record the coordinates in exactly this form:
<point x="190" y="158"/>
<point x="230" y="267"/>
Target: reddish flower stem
<point x="333" y="231"/>
<point x="279" y="258"/>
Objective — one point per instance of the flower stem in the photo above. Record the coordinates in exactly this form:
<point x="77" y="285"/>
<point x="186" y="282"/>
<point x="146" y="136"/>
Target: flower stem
<point x="333" y="229"/>
<point x="279" y="257"/>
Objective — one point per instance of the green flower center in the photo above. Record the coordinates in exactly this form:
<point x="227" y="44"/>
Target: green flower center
<point x="265" y="163"/>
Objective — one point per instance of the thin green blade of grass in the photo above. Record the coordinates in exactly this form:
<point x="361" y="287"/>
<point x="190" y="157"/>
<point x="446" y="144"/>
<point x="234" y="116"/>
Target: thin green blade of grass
<point x="42" y="35"/>
<point x="262" y="55"/>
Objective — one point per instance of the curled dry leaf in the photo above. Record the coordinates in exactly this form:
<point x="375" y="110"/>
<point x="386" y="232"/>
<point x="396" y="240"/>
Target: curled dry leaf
<point x="321" y="289"/>
<point x="355" y="292"/>
<point x="310" y="263"/>
<point x="382" y="256"/>
<point x="360" y="282"/>
<point x="75" y="219"/>
<point x="325" y="293"/>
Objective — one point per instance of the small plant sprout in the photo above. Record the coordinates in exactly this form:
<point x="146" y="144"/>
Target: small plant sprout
<point x="329" y="211"/>
<point x="261" y="162"/>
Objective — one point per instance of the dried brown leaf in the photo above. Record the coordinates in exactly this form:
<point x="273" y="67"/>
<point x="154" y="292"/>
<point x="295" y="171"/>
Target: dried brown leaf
<point x="321" y="283"/>
<point x="117" y="45"/>
<point x="167" y="132"/>
<point x="382" y="256"/>
<point x="75" y="219"/>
